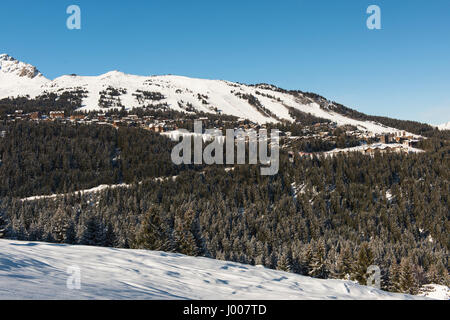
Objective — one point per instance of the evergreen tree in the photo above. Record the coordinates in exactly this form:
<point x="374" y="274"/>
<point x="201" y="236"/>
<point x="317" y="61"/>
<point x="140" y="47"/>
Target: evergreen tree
<point x="2" y="226"/>
<point x="394" y="279"/>
<point x="345" y="264"/>
<point x="110" y="237"/>
<point x="317" y="265"/>
<point x="408" y="279"/>
<point x="92" y="234"/>
<point x="284" y="263"/>
<point x="184" y="238"/>
<point x="365" y="259"/>
<point x="70" y="235"/>
<point x="60" y="225"/>
<point x="151" y="235"/>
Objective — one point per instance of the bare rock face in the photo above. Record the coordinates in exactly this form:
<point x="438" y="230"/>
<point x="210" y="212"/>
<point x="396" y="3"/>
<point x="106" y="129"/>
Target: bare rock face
<point x="9" y="65"/>
<point x="29" y="72"/>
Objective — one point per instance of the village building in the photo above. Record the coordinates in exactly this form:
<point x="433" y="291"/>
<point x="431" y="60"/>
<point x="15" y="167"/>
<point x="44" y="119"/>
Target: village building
<point x="56" y="115"/>
<point x="35" y="115"/>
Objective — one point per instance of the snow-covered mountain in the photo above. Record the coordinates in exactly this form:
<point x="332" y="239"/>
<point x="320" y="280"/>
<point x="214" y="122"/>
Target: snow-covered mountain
<point x="444" y="126"/>
<point x="259" y="103"/>
<point x="32" y="270"/>
<point x="19" y="78"/>
<point x="11" y="66"/>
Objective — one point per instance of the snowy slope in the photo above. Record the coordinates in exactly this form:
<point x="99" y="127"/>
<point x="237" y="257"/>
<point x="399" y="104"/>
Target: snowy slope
<point x="32" y="270"/>
<point x="444" y="126"/>
<point x="19" y="78"/>
<point x="435" y="291"/>
<point x="180" y="93"/>
<point x="379" y="146"/>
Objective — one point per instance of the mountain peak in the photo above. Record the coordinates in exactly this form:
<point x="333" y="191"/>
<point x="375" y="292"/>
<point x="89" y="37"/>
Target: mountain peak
<point x="11" y="66"/>
<point x="6" y="57"/>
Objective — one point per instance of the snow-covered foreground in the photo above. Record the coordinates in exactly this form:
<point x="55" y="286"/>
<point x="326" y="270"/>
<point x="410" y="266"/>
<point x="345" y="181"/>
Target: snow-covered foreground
<point x="435" y="291"/>
<point x="33" y="270"/>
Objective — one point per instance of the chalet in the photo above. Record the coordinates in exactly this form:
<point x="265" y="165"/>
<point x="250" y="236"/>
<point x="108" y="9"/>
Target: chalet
<point x="77" y="117"/>
<point x="411" y="143"/>
<point x="385" y="138"/>
<point x="305" y="154"/>
<point x="56" y="115"/>
<point x="157" y="128"/>
<point x="35" y="115"/>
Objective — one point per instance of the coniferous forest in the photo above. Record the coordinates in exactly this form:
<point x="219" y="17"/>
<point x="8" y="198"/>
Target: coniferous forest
<point x="326" y="217"/>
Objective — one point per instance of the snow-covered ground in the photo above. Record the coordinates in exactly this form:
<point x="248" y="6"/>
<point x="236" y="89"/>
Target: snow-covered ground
<point x="397" y="147"/>
<point x="94" y="190"/>
<point x="435" y="291"/>
<point x="33" y="270"/>
<point x="444" y="126"/>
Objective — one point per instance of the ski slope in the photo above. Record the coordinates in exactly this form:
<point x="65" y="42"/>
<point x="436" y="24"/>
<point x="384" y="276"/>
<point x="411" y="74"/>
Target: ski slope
<point x="33" y="270"/>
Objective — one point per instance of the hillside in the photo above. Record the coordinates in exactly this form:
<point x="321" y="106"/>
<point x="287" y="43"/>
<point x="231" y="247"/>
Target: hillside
<point x="444" y="126"/>
<point x="260" y="103"/>
<point x="32" y="270"/>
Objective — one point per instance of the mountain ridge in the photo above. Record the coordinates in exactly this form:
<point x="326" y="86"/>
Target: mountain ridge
<point x="260" y="103"/>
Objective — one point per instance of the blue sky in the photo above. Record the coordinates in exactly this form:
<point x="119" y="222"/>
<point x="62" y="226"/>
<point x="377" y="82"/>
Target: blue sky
<point x="401" y="71"/>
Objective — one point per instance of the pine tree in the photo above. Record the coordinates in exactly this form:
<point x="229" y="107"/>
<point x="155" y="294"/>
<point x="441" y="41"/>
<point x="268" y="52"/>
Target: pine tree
<point x="284" y="263"/>
<point x="70" y="236"/>
<point x="92" y="234"/>
<point x="345" y="264"/>
<point x="110" y="237"/>
<point x="394" y="278"/>
<point x="2" y="226"/>
<point x="365" y="259"/>
<point x="60" y="224"/>
<point x="408" y="278"/>
<point x="317" y="265"/>
<point x="151" y="234"/>
<point x="437" y="273"/>
<point x="184" y="238"/>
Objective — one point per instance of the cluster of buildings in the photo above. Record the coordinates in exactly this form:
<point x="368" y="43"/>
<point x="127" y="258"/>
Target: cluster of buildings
<point x="370" y="143"/>
<point x="146" y="122"/>
<point x="399" y="138"/>
<point x="150" y="123"/>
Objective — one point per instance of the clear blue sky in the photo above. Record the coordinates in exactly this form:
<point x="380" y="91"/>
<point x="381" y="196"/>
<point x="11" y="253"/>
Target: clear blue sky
<point x="401" y="71"/>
